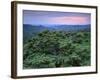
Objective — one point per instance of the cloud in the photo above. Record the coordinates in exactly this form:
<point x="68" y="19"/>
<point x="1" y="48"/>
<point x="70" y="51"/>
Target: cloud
<point x="69" y="20"/>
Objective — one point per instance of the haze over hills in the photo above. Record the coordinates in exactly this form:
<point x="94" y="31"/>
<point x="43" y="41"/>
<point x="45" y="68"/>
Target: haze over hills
<point x="68" y="27"/>
<point x="31" y="30"/>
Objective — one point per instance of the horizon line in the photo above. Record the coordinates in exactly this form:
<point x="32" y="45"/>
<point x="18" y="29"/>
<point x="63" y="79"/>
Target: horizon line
<point x="57" y="24"/>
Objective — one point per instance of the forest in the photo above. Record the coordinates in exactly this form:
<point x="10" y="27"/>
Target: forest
<point x="52" y="49"/>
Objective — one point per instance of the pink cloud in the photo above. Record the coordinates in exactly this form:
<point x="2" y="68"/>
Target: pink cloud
<point x="69" y="20"/>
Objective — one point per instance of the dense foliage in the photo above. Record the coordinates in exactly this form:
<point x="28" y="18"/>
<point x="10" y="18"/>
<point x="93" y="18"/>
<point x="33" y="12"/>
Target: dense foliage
<point x="50" y="49"/>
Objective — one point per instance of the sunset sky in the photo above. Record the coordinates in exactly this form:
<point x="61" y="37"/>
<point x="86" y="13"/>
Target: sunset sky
<point x="55" y="18"/>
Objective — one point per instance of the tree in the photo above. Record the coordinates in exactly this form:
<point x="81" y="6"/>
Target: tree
<point x="56" y="49"/>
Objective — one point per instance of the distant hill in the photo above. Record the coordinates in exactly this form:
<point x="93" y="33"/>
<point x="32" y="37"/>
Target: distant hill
<point x="31" y="30"/>
<point x="70" y="27"/>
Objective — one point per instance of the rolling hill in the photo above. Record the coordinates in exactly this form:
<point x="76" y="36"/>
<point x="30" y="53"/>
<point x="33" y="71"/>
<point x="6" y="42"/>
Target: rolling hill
<point x="31" y="30"/>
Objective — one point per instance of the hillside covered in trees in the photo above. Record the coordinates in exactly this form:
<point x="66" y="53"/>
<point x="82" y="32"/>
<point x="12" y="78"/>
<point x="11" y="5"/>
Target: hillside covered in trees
<point x="51" y="49"/>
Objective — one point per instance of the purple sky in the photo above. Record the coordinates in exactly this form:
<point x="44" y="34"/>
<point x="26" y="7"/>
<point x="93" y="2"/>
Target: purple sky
<point x="52" y="17"/>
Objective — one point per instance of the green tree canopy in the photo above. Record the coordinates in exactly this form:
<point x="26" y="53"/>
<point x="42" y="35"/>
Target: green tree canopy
<point x="57" y="49"/>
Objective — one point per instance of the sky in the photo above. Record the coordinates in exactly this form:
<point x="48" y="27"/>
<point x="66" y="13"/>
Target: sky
<point x="55" y="18"/>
